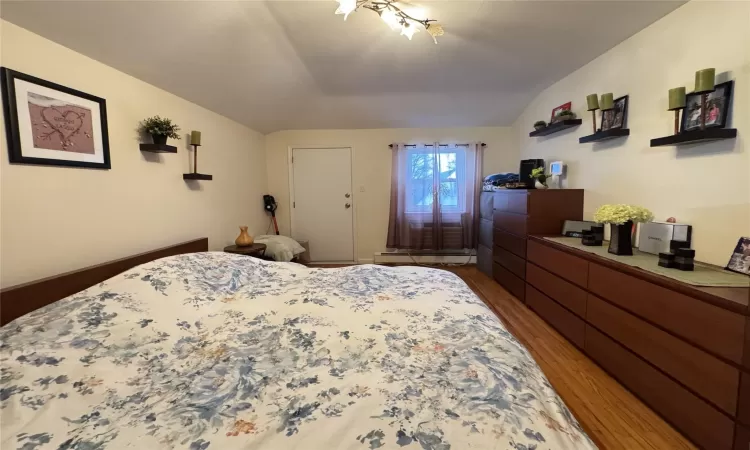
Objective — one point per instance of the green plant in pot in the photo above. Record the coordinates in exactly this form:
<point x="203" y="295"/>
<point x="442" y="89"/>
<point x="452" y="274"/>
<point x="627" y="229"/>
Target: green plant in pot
<point x="540" y="125"/>
<point x="566" y="114"/>
<point x="621" y="219"/>
<point x="540" y="177"/>
<point x="160" y="129"/>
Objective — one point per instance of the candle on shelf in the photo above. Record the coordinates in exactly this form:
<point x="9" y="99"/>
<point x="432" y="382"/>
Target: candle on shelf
<point x="195" y="138"/>
<point x="676" y="103"/>
<point x="607" y="102"/>
<point x="704" y="80"/>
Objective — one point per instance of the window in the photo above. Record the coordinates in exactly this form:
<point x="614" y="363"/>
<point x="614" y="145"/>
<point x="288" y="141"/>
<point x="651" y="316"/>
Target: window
<point x="434" y="175"/>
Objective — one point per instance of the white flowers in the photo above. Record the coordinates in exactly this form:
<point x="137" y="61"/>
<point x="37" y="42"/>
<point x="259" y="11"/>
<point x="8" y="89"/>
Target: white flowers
<point x="619" y="214"/>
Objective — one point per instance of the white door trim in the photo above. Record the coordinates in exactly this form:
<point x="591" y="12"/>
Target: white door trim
<point x="290" y="170"/>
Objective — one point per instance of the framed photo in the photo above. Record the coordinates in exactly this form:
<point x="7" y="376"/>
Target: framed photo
<point x="558" y="110"/>
<point x="53" y="125"/>
<point x="717" y="108"/>
<point x="740" y="260"/>
<point x="617" y="116"/>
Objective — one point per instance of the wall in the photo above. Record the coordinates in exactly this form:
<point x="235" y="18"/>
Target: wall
<point x="706" y="185"/>
<point x="372" y="168"/>
<point x="55" y="219"/>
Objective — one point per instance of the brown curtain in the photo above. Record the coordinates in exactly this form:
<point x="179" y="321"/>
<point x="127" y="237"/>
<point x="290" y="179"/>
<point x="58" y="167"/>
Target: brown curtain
<point x="435" y="196"/>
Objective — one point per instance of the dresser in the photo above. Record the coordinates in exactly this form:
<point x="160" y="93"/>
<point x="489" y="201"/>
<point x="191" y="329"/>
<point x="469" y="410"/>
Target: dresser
<point x="508" y="218"/>
<point x="683" y="350"/>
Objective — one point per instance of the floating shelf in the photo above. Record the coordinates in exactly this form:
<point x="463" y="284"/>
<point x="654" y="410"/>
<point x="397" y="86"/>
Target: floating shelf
<point x="695" y="136"/>
<point x="197" y="176"/>
<point x="600" y="136"/>
<point x="557" y="126"/>
<point x="158" y="148"/>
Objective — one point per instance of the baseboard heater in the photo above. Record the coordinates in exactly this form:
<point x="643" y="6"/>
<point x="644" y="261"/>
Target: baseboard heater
<point x="425" y="257"/>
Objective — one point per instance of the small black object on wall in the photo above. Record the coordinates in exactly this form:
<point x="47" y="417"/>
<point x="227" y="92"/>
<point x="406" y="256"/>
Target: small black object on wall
<point x="50" y="124"/>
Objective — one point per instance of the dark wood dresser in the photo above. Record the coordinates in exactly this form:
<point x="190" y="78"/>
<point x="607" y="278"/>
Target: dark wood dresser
<point x="508" y="217"/>
<point x="684" y="350"/>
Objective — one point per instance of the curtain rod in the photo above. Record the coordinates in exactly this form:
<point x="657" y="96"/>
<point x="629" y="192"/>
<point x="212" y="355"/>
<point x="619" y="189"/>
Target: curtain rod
<point x="441" y="145"/>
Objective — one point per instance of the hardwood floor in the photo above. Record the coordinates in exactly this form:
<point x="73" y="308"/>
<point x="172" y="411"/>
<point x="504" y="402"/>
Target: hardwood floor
<point x="613" y="417"/>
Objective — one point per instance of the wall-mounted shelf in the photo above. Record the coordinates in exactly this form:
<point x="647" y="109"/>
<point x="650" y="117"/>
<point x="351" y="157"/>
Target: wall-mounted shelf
<point x="606" y="135"/>
<point x="197" y="176"/>
<point x="158" y="148"/>
<point x="695" y="136"/>
<point x="557" y="126"/>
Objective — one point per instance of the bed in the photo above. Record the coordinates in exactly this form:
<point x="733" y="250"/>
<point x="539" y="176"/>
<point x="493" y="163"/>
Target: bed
<point x="221" y="351"/>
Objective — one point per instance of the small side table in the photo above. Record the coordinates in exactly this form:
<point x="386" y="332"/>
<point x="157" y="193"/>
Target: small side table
<point x="255" y="250"/>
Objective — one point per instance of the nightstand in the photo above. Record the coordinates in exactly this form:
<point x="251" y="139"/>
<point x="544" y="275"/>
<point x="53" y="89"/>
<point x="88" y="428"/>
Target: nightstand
<point x="255" y="250"/>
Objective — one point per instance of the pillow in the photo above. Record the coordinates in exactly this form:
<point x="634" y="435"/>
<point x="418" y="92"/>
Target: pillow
<point x="280" y="248"/>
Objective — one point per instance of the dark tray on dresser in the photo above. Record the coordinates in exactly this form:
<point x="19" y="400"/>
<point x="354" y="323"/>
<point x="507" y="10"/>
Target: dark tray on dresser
<point x="684" y="350"/>
<point x="508" y="217"/>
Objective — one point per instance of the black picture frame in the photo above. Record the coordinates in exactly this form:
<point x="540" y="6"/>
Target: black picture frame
<point x="611" y="115"/>
<point x="8" y="78"/>
<point x="691" y="122"/>
<point x="739" y="262"/>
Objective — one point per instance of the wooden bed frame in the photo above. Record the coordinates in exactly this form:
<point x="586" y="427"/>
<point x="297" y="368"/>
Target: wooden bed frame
<point x="21" y="299"/>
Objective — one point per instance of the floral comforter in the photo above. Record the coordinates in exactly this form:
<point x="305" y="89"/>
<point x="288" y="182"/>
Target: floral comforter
<point x="219" y="351"/>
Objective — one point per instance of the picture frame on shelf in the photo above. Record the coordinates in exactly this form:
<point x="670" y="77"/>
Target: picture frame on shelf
<point x="616" y="118"/>
<point x="558" y="110"/>
<point x="717" y="106"/>
<point x="740" y="260"/>
<point x="53" y="125"/>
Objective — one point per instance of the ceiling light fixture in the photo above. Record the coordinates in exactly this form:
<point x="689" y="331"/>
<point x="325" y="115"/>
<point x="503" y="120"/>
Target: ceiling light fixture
<point x="393" y="16"/>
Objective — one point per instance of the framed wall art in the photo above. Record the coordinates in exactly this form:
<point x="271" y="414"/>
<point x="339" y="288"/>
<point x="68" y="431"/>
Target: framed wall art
<point x="617" y="116"/>
<point x="740" y="260"/>
<point x="53" y="125"/>
<point x="717" y="108"/>
<point x="558" y="110"/>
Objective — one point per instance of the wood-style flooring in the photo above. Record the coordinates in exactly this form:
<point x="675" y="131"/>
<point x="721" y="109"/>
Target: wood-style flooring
<point x="613" y="417"/>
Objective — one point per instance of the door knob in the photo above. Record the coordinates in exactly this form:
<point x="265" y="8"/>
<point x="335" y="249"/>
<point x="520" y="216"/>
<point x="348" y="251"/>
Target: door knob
<point x="348" y="205"/>
<point x="347" y="195"/>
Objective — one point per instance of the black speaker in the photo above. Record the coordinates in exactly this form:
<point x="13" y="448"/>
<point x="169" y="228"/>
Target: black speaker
<point x="524" y="173"/>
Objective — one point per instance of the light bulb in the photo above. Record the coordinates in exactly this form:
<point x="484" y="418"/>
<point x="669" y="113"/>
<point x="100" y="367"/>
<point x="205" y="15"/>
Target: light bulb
<point x="390" y="18"/>
<point x="346" y="7"/>
<point x="408" y="30"/>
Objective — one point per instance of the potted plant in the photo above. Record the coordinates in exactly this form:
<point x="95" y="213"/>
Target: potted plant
<point x="621" y="219"/>
<point x="160" y="129"/>
<point x="566" y="114"/>
<point x="540" y="125"/>
<point x="540" y="177"/>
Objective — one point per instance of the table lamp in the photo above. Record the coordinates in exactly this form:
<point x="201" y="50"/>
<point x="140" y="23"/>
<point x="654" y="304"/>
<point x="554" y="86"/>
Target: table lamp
<point x="676" y="103"/>
<point x="592" y="101"/>
<point x="704" y="83"/>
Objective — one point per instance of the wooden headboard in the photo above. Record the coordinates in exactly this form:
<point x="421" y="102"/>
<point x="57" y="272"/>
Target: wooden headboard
<point x="16" y="301"/>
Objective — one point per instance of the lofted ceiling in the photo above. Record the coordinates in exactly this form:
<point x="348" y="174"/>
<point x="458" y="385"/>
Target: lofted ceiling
<point x="279" y="65"/>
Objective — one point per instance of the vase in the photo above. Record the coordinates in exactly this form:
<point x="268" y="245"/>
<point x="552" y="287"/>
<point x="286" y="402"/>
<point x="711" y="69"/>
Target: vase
<point x="539" y="185"/>
<point x="159" y="139"/>
<point x="620" y="238"/>
<point x="244" y="239"/>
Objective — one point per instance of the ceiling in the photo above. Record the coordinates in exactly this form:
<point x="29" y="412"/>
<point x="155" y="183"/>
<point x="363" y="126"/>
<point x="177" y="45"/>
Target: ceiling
<point x="279" y="65"/>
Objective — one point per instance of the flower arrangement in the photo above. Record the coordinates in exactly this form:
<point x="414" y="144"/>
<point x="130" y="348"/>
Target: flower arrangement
<point x="157" y="126"/>
<point x="539" y="124"/>
<point x="566" y="114"/>
<point x="620" y="214"/>
<point x="539" y="175"/>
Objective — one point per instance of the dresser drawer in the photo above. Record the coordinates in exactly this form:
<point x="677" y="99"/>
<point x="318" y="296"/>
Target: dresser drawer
<point x="567" y="266"/>
<point x="485" y="232"/>
<point x="514" y="263"/>
<point x="715" y="329"/>
<point x="563" y="292"/>
<point x="742" y="438"/>
<point x="511" y="222"/>
<point x="743" y="411"/>
<point x="515" y="202"/>
<point x="560" y="318"/>
<point x="515" y="244"/>
<point x="695" y="418"/>
<point x="712" y="379"/>
<point x="513" y="284"/>
<point x="486" y="205"/>
<point x="484" y="260"/>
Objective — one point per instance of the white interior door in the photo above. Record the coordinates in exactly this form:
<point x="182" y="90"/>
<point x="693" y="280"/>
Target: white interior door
<point x="323" y="202"/>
